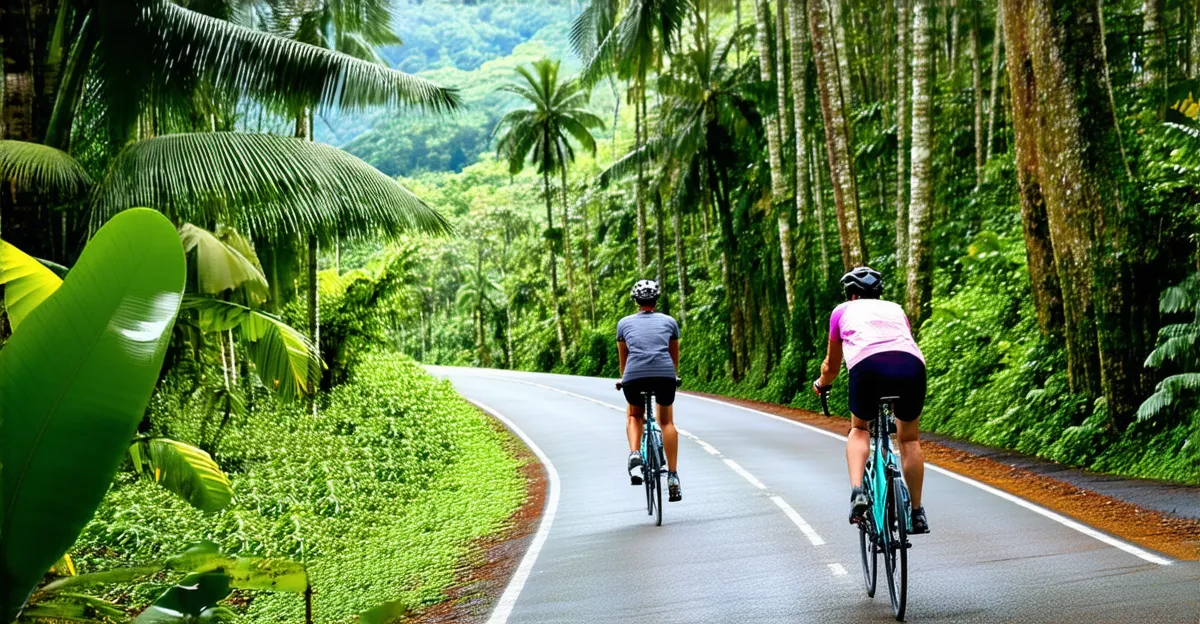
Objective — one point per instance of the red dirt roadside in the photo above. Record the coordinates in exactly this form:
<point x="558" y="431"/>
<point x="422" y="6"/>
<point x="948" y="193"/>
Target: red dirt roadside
<point x="1178" y="538"/>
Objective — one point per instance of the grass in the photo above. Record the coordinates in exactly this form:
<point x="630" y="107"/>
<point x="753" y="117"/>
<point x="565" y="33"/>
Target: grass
<point x="382" y="495"/>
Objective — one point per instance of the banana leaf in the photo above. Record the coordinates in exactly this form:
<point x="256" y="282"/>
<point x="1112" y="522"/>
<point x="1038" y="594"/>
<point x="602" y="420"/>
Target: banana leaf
<point x="74" y="383"/>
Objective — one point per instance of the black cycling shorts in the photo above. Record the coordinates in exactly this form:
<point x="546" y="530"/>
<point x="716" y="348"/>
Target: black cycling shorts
<point x="891" y="373"/>
<point x="662" y="387"/>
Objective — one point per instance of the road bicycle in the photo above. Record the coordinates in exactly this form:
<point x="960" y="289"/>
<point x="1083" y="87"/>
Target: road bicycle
<point x="654" y="461"/>
<point x="885" y="527"/>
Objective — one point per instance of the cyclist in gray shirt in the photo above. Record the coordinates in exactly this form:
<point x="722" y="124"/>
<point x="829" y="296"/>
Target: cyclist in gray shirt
<point x="648" y="346"/>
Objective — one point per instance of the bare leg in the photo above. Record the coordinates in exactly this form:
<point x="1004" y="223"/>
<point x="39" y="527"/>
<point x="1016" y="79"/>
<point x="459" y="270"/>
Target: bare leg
<point x="911" y="457"/>
<point x="858" y="447"/>
<point x="634" y="426"/>
<point x="666" y="415"/>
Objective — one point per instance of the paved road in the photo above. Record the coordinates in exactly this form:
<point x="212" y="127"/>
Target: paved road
<point x="761" y="535"/>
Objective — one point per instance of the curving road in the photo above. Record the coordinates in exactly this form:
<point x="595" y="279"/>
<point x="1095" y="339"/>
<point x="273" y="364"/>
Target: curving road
<point x="761" y="534"/>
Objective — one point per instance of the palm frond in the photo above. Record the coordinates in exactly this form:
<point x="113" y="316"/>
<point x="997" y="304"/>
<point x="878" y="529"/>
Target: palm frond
<point x="268" y="186"/>
<point x="219" y="268"/>
<point x="1167" y="393"/>
<point x="27" y="283"/>
<point x="284" y="359"/>
<point x="156" y="49"/>
<point x="190" y="473"/>
<point x="35" y="170"/>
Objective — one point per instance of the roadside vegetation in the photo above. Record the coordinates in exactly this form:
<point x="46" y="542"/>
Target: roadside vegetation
<point x="1051" y="277"/>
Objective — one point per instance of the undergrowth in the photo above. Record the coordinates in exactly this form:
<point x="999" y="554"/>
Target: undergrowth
<point x="381" y="495"/>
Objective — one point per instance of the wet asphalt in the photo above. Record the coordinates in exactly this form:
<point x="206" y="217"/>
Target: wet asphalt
<point x="731" y="552"/>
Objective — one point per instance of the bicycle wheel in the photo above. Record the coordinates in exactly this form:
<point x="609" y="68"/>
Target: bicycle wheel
<point x="870" y="556"/>
<point x="895" y="556"/>
<point x="658" y="499"/>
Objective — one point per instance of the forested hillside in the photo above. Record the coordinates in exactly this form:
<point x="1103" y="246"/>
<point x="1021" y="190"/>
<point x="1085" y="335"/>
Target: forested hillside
<point x="474" y="46"/>
<point x="1022" y="172"/>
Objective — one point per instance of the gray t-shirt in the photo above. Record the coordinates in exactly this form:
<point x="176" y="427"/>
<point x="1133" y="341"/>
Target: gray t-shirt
<point x="648" y="336"/>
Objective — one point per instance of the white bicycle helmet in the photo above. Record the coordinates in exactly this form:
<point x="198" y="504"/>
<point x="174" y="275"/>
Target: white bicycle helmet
<point x="645" y="290"/>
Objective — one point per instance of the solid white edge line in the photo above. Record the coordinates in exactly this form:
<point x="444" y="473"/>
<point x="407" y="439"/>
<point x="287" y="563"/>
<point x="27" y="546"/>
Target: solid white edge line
<point x="837" y="569"/>
<point x="508" y="599"/>
<point x="1063" y="520"/>
<point x="1059" y="518"/>
<point x="794" y="516"/>
<point x="745" y="475"/>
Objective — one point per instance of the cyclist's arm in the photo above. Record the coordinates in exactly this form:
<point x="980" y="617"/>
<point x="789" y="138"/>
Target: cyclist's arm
<point x="622" y="355"/>
<point x="673" y="348"/>
<point x="833" y="362"/>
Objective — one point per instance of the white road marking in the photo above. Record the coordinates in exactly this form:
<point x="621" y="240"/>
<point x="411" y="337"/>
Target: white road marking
<point x="798" y="521"/>
<point x="837" y="569"/>
<point x="508" y="599"/>
<point x="745" y="475"/>
<point x="1059" y="518"/>
<point x="1063" y="520"/>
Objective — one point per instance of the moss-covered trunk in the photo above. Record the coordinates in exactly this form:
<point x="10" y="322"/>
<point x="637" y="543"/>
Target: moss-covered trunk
<point x="834" y="103"/>
<point x="1084" y="178"/>
<point x="1039" y="251"/>
<point x="903" y="133"/>
<point x="779" y="184"/>
<point x="920" y="263"/>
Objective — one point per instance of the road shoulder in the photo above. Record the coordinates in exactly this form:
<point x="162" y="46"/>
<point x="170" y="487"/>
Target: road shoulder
<point x="1174" y="536"/>
<point x="485" y="572"/>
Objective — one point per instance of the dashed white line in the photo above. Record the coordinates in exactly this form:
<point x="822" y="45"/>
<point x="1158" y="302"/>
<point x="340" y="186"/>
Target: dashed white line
<point x="508" y="599"/>
<point x="837" y="569"/>
<point x="1038" y="509"/>
<point x="745" y="475"/>
<point x="798" y="521"/>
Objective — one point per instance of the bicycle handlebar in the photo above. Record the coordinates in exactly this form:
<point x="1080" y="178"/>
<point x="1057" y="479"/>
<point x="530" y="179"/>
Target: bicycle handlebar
<point x="823" y="392"/>
<point x="678" y="383"/>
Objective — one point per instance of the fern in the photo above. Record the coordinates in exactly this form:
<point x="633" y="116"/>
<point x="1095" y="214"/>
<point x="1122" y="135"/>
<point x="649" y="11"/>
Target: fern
<point x="1179" y="344"/>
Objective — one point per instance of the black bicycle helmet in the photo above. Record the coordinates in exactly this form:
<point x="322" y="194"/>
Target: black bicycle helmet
<point x="864" y="282"/>
<point x="645" y="290"/>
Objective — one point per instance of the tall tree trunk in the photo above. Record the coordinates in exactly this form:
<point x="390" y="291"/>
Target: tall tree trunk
<point x="952" y="37"/>
<point x="1154" y="51"/>
<point x="587" y="262"/>
<point x="819" y="209"/>
<point x="903" y="130"/>
<point x="779" y="184"/>
<point x="737" y="324"/>
<point x="837" y="134"/>
<point x="568" y="257"/>
<point x="680" y="260"/>
<point x="786" y="128"/>
<point x="977" y="90"/>
<point x="842" y="51"/>
<point x="994" y="94"/>
<point x="641" y="131"/>
<point x="660" y="243"/>
<point x="1082" y="173"/>
<point x="304" y="131"/>
<point x="554" y="302"/>
<point x="797" y="15"/>
<point x="921" y="206"/>
<point x="1039" y="252"/>
<point x="1193" y="65"/>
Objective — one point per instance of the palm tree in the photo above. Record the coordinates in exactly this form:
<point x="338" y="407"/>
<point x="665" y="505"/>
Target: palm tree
<point x="138" y="68"/>
<point x="707" y="104"/>
<point x="478" y="296"/>
<point x="629" y="38"/>
<point x="541" y="135"/>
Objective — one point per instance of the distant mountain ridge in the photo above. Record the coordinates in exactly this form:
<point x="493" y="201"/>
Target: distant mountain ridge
<point x="472" y="46"/>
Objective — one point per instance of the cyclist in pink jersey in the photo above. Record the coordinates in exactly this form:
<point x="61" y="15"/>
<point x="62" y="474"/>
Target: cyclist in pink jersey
<point x="875" y="339"/>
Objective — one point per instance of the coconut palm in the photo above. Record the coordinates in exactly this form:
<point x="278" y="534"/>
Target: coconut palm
<point x="140" y="68"/>
<point x="541" y="135"/>
<point x="630" y="38"/>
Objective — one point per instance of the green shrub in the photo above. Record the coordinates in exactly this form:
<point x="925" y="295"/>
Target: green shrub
<point x="381" y="495"/>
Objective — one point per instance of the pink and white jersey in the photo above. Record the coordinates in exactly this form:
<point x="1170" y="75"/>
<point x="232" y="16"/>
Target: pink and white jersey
<point x="869" y="326"/>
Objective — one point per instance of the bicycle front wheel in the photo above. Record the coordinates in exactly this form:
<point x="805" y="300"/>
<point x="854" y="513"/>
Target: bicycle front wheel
<point x="870" y="556"/>
<point x="895" y="555"/>
<point x="657" y="499"/>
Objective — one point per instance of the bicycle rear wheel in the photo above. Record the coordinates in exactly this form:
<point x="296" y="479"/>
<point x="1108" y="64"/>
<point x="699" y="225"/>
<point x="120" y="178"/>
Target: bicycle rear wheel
<point x="870" y="556"/>
<point x="895" y="555"/>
